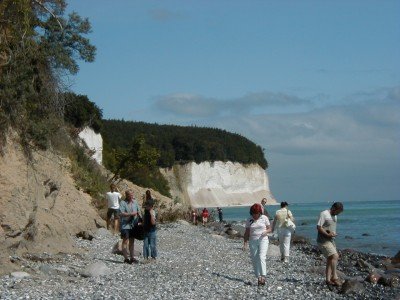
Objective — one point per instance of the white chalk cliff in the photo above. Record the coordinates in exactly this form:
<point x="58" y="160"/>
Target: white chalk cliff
<point x="208" y="184"/>
<point x="211" y="184"/>
<point x="94" y="142"/>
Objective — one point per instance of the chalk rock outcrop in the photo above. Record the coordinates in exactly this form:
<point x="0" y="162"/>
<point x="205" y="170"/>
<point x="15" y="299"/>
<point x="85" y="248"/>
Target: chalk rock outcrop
<point x="211" y="184"/>
<point x="94" y="142"/>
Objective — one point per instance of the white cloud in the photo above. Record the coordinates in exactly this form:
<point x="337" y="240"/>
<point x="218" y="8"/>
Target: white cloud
<point x="183" y="104"/>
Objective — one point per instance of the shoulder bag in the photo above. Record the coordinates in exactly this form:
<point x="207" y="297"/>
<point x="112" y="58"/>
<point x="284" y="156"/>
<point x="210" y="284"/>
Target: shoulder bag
<point x="289" y="223"/>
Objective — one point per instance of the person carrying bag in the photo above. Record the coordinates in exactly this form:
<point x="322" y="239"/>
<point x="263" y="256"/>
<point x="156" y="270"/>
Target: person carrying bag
<point x="284" y="224"/>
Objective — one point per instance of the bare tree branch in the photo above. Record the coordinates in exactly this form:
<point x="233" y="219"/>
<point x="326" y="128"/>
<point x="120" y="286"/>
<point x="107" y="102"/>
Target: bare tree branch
<point x="50" y="12"/>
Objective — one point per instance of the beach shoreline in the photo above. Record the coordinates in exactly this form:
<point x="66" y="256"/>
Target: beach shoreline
<point x="195" y="262"/>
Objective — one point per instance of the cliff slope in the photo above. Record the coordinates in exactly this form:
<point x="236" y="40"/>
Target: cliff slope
<point x="41" y="207"/>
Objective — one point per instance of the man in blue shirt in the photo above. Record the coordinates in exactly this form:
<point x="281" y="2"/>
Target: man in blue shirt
<point x="129" y="212"/>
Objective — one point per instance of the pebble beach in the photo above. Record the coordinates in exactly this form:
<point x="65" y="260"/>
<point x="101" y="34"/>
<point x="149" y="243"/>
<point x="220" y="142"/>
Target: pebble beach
<point x="194" y="262"/>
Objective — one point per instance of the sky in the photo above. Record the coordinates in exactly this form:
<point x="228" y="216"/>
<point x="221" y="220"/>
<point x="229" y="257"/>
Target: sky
<point x="315" y="83"/>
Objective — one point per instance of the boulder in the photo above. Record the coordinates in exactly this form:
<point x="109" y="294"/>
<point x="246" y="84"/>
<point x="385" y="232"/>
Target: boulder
<point x="96" y="269"/>
<point x="352" y="286"/>
<point x="217" y="236"/>
<point x="373" y="277"/>
<point x="85" y="235"/>
<point x="232" y="232"/>
<point x="298" y="239"/>
<point x="183" y="222"/>
<point x="365" y="266"/>
<point x="20" y="275"/>
<point x="396" y="258"/>
<point x="389" y="280"/>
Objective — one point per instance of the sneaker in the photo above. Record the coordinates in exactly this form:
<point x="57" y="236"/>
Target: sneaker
<point x="286" y="260"/>
<point x="127" y="261"/>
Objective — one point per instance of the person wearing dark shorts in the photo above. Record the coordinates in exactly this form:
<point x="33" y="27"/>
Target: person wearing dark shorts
<point x="129" y="210"/>
<point x="113" y="199"/>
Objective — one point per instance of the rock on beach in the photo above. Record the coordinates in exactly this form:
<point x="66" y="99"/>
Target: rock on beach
<point x="194" y="262"/>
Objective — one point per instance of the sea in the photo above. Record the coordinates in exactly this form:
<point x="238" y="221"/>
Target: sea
<point x="369" y="227"/>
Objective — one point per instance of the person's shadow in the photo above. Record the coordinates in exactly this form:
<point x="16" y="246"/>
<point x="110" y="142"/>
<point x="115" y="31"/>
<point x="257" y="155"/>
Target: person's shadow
<point x="231" y="278"/>
<point x="112" y="260"/>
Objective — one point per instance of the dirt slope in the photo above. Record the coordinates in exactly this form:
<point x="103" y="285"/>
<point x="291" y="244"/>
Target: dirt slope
<point x="40" y="207"/>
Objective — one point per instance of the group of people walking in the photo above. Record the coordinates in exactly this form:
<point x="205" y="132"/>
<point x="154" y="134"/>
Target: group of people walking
<point x="258" y="228"/>
<point x="130" y="223"/>
<point x="205" y="215"/>
<point x="127" y="217"/>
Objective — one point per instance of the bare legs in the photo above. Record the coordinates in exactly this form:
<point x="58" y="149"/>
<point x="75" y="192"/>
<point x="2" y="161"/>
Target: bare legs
<point x="331" y="264"/>
<point x="115" y="224"/>
<point x="128" y="248"/>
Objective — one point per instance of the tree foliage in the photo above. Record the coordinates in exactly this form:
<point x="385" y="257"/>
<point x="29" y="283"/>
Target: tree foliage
<point x="138" y="163"/>
<point x="38" y="46"/>
<point x="81" y="112"/>
<point x="181" y="144"/>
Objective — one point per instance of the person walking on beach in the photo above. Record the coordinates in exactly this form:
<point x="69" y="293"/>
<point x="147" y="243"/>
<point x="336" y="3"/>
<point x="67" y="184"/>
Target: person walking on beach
<point x="129" y="215"/>
<point x="194" y="216"/>
<point x="257" y="228"/>
<point x="149" y="225"/>
<point x="284" y="233"/>
<point x="263" y="205"/>
<point x="219" y="209"/>
<point x="326" y="228"/>
<point x="204" y="216"/>
<point x="113" y="199"/>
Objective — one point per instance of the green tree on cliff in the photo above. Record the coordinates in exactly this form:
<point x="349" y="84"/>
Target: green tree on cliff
<point x="39" y="45"/>
<point x="138" y="164"/>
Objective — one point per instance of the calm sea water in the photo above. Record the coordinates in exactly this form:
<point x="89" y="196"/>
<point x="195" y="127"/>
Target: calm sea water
<point x="370" y="227"/>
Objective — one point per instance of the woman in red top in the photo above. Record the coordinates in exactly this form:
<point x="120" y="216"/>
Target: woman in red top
<point x="205" y="216"/>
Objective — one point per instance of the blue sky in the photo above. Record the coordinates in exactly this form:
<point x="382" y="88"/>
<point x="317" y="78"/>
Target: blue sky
<point x="315" y="83"/>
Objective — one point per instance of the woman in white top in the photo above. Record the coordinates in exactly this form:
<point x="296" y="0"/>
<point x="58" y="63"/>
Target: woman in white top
<point x="257" y="228"/>
<point x="284" y="233"/>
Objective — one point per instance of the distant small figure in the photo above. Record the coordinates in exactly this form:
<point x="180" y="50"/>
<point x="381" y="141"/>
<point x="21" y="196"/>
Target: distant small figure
<point x="189" y="215"/>
<point x="284" y="233"/>
<point x="263" y="205"/>
<point x="219" y="209"/>
<point x="113" y="199"/>
<point x="204" y="216"/>
<point x="212" y="215"/>
<point x="194" y="216"/>
<point x="326" y="227"/>
<point x="149" y="225"/>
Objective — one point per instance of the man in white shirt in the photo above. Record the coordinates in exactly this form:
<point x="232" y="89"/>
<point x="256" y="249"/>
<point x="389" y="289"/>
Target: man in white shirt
<point x="113" y="198"/>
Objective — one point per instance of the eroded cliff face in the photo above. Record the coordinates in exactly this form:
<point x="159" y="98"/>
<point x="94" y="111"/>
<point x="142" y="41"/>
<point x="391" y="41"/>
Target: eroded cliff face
<point x="40" y="206"/>
<point x="219" y="184"/>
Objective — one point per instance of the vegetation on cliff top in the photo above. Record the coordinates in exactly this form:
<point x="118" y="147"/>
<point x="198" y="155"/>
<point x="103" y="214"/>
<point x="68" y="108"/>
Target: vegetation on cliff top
<point x="180" y="143"/>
